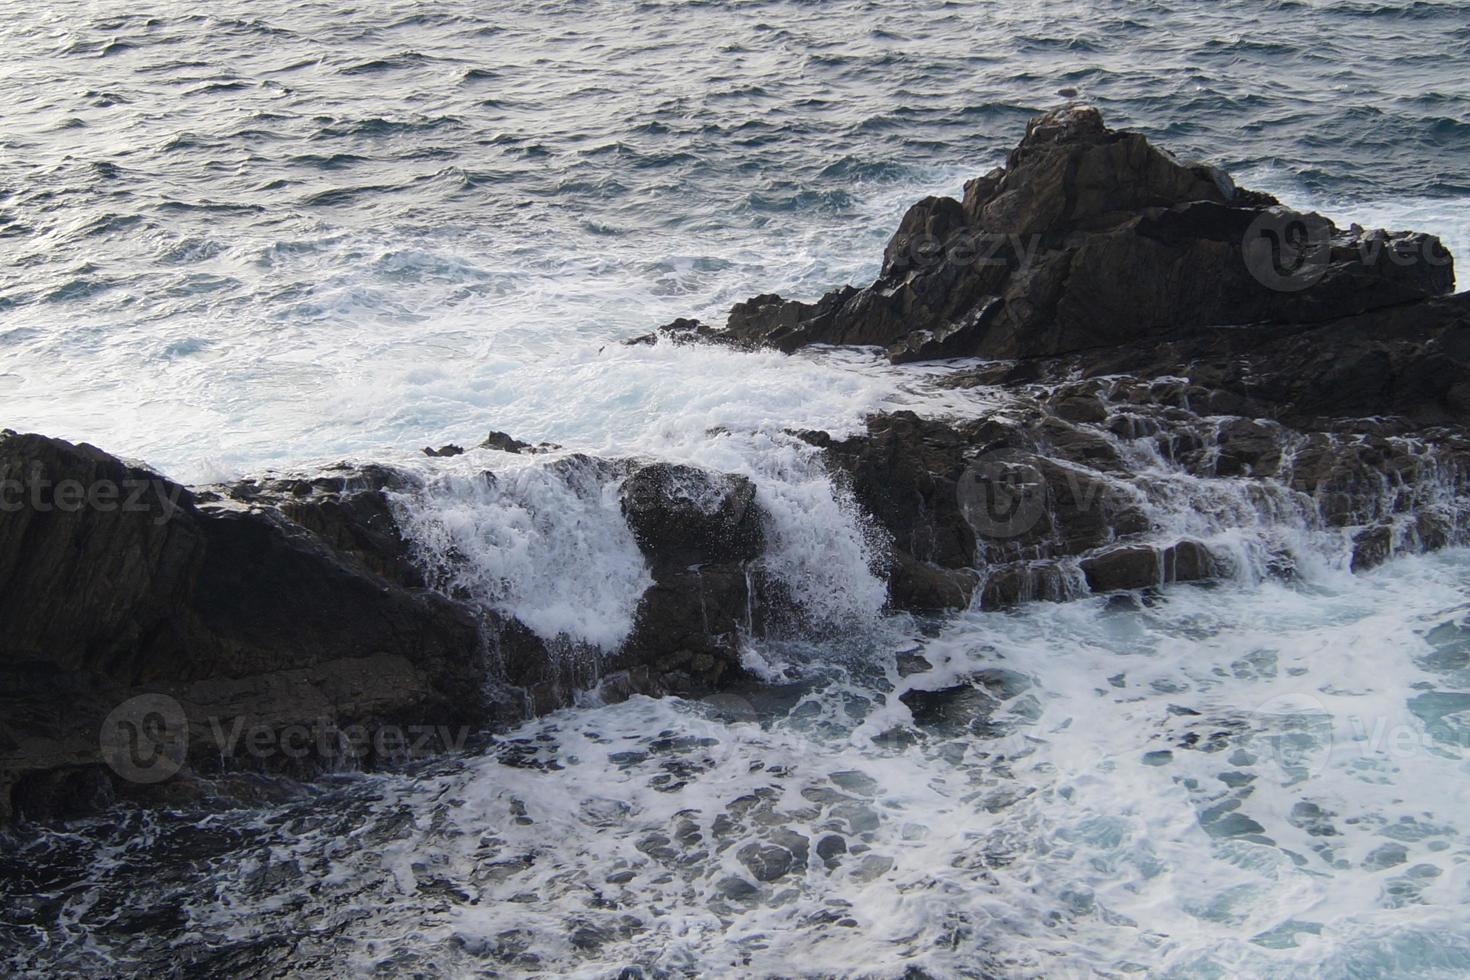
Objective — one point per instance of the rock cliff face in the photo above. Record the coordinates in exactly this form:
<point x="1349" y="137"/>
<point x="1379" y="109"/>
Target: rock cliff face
<point x="1103" y="485"/>
<point x="1179" y="356"/>
<point x="231" y="612"/>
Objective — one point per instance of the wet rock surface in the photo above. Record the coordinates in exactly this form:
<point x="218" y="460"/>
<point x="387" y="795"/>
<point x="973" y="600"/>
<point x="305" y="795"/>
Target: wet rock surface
<point x="228" y="612"/>
<point x="1102" y="485"/>
<point x="1153" y="323"/>
<point x="1091" y="237"/>
<point x="279" y="603"/>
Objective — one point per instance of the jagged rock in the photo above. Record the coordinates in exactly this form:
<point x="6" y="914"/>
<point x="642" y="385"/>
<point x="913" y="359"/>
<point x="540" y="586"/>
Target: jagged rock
<point x="1141" y="566"/>
<point x="505" y="443"/>
<point x="1371" y="547"/>
<point x="345" y="507"/>
<point x="905" y="473"/>
<point x="1141" y="299"/>
<point x="284" y="602"/>
<point x="687" y="627"/>
<point x="952" y="497"/>
<point x="1026" y="581"/>
<point x="1071" y="171"/>
<point x="700" y="531"/>
<point x="925" y="587"/>
<point x="1404" y="360"/>
<point x="1108" y="269"/>
<point x="449" y="450"/>
<point x="924" y="228"/>
<point x="1247" y="447"/>
<point x="1091" y="237"/>
<point x="684" y="516"/>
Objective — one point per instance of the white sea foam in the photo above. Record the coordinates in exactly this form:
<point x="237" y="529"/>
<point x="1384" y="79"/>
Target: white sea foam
<point x="543" y="537"/>
<point x="1209" y="784"/>
<point x="546" y="544"/>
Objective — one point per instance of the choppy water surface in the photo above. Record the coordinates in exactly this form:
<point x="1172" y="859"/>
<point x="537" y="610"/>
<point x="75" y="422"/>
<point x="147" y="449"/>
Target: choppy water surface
<point x="239" y="236"/>
<point x="1239" y="781"/>
<point x="247" y="233"/>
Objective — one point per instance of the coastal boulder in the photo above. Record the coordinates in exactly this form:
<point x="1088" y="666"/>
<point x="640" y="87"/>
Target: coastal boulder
<point x="700" y="532"/>
<point x="1091" y="237"/>
<point x="684" y="516"/>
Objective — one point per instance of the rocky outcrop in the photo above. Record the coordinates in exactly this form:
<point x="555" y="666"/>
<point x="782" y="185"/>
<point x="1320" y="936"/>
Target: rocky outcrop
<point x="509" y="444"/>
<point x="116" y="583"/>
<point x="1098" y="485"/>
<point x="1154" y="324"/>
<point x="1091" y="237"/>
<point x="1409" y="362"/>
<point x="702" y="533"/>
<point x="685" y="517"/>
<point x="291" y="610"/>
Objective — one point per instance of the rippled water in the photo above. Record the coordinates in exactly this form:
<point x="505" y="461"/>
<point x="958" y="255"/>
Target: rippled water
<point x="271" y="235"/>
<point x="257" y="234"/>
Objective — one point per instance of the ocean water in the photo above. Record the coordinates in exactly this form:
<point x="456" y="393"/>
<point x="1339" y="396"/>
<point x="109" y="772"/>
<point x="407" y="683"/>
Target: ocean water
<point x="269" y="236"/>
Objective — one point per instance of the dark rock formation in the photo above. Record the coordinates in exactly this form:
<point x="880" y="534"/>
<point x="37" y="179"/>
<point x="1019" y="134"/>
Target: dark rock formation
<point x="701" y="532"/>
<point x="233" y="613"/>
<point x="292" y="608"/>
<point x="1091" y="237"/>
<point x="1321" y="366"/>
<point x="1050" y="501"/>
<point x="1174" y="346"/>
<point x="1409" y="361"/>
<point x="344" y="506"/>
<point x="1129" y="566"/>
<point x="505" y="443"/>
<point x="684" y="516"/>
